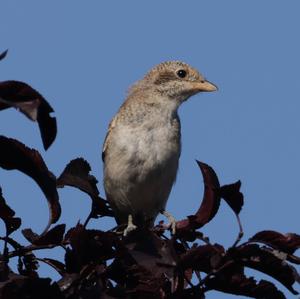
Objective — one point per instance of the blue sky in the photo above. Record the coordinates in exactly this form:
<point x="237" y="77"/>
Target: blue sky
<point x="83" y="56"/>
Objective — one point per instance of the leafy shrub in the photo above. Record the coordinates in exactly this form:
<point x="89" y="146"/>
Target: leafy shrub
<point x="146" y="264"/>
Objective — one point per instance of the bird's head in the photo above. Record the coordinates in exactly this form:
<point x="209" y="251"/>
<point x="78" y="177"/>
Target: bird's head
<point x="177" y="80"/>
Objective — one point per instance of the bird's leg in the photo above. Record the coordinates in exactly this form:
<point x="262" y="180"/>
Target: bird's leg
<point x="172" y="220"/>
<point x="130" y="226"/>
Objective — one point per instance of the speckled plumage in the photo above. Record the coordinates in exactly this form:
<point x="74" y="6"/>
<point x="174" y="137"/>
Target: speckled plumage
<point x="142" y="147"/>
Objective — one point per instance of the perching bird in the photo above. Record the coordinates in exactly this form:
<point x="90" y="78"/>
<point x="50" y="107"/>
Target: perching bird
<point x="142" y="146"/>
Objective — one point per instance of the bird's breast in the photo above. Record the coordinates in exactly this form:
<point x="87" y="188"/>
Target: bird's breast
<point x="156" y="143"/>
<point x="151" y="148"/>
<point x="141" y="164"/>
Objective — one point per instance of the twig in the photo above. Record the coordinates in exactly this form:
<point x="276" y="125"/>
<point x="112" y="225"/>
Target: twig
<point x="200" y="236"/>
<point x="32" y="247"/>
<point x="188" y="280"/>
<point x="215" y="272"/>
<point x="5" y="249"/>
<point x="185" y="244"/>
<point x="198" y="275"/>
<point x="241" y="232"/>
<point x="51" y="265"/>
<point x="88" y="218"/>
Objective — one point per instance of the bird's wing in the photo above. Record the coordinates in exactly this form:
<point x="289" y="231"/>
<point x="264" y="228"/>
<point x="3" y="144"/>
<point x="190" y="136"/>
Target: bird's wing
<point x="106" y="140"/>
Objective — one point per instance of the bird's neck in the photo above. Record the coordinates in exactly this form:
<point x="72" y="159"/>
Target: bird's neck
<point x="150" y="109"/>
<point x="149" y="95"/>
<point x="164" y="104"/>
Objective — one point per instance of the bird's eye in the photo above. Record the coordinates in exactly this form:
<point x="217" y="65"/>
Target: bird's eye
<point x="181" y="73"/>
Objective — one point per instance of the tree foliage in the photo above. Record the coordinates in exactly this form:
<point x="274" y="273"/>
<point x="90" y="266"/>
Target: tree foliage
<point x="146" y="264"/>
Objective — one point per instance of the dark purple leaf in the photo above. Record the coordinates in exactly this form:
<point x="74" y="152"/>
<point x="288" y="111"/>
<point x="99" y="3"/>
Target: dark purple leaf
<point x="69" y="284"/>
<point x="7" y="215"/>
<point x="143" y="284"/>
<point x="4" y="270"/>
<point x="88" y="246"/>
<point x="288" y="243"/>
<point x="268" y="262"/>
<point x="31" y="103"/>
<point x="57" y="265"/>
<point x="16" y="245"/>
<point x="232" y="195"/>
<point x="28" y="265"/>
<point x="203" y="258"/>
<point x="293" y="259"/>
<point x="22" y="287"/>
<point x="29" y="235"/>
<point x="154" y="254"/>
<point x="77" y="174"/>
<point x="210" y="203"/>
<point x="3" y="54"/>
<point x="139" y="281"/>
<point x="15" y="155"/>
<point x="241" y="285"/>
<point x="52" y="237"/>
<point x="147" y="266"/>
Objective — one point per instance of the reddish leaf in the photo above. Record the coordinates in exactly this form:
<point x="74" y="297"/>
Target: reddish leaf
<point x="288" y="243"/>
<point x="239" y="284"/>
<point x="4" y="270"/>
<point x="15" y="155"/>
<point x="27" y="265"/>
<point x="293" y="259"/>
<point x="16" y="245"/>
<point x="77" y="174"/>
<point x="7" y="215"/>
<point x="3" y="54"/>
<point x="210" y="203"/>
<point x="31" y="103"/>
<point x="52" y="237"/>
<point x="21" y="287"/>
<point x="232" y="195"/>
<point x="57" y="265"/>
<point x="203" y="258"/>
<point x="265" y="261"/>
<point x="88" y="246"/>
<point x="29" y="235"/>
<point x="69" y="284"/>
<point x="143" y="284"/>
<point x="139" y="281"/>
<point x="86" y="285"/>
<point x="154" y="254"/>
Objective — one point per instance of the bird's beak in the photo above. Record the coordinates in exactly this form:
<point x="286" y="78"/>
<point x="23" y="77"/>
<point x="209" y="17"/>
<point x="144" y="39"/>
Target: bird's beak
<point x="204" y="86"/>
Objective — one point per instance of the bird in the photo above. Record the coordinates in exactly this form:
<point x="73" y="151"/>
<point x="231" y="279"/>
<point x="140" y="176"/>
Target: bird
<point x="143" y="144"/>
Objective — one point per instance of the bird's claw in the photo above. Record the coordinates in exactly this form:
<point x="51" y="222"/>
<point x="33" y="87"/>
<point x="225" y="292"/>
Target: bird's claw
<point x="172" y="221"/>
<point x="173" y="226"/>
<point x="130" y="227"/>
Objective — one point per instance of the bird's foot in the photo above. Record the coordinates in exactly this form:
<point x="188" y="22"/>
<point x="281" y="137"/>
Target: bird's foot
<point x="130" y="226"/>
<point x="172" y="221"/>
